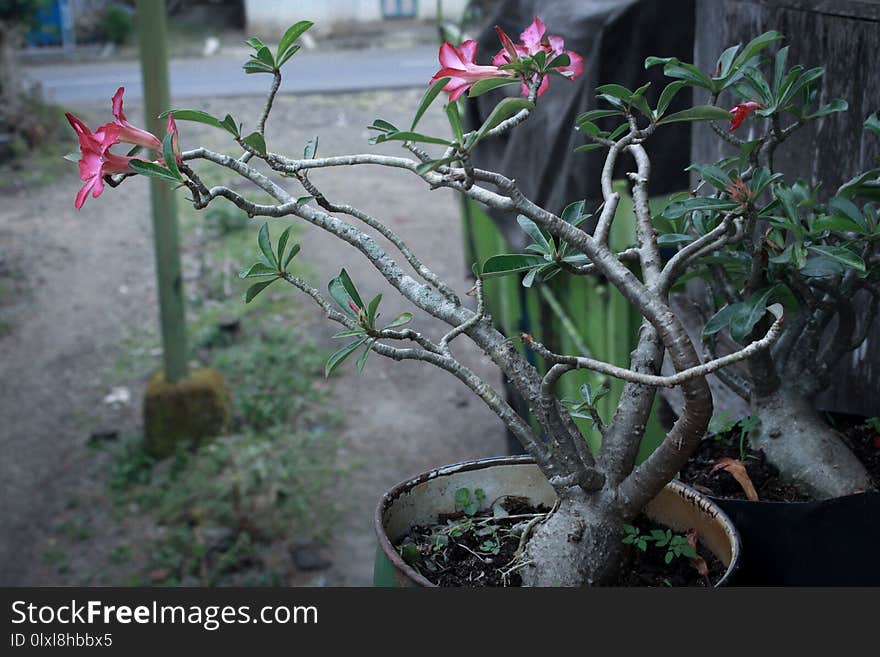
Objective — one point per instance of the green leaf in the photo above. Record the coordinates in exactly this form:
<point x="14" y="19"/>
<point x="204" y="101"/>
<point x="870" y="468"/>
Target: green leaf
<point x="759" y="84"/>
<point x="228" y="124"/>
<point x="559" y="61"/>
<point x="350" y="288"/>
<point x="256" y="288"/>
<point x="168" y="155"/>
<point x="455" y="121"/>
<point x="687" y="72"/>
<point x="199" y="116"/>
<point x="410" y="554"/>
<point x="266" y="245"/>
<point x="339" y="356"/>
<point x="749" y="313"/>
<point x="414" y="137"/>
<point x="840" y="254"/>
<point x="667" y="95"/>
<point x="846" y="208"/>
<point x="401" y="320"/>
<point x="725" y="61"/>
<point x="264" y="55"/>
<point x="615" y="91"/>
<point x="592" y="115"/>
<point x="654" y="61"/>
<point x="350" y="333"/>
<point x="755" y="46"/>
<point x="674" y="238"/>
<point x="372" y="308"/>
<point x="258" y="269"/>
<point x="432" y="92"/>
<point x="502" y="265"/>
<point x="152" y="170"/>
<point x="293" y="33"/>
<point x="697" y="113"/>
<point x="573" y="213"/>
<point x="623" y="127"/>
<point x="712" y="174"/>
<point x="381" y="125"/>
<point x="821" y="267"/>
<point x="836" y="105"/>
<point x="254" y="43"/>
<point x="287" y="55"/>
<point x="343" y="291"/>
<point x="585" y="148"/>
<point x="291" y="254"/>
<point x="503" y="110"/>
<point x="483" y="86"/>
<point x="254" y="66"/>
<point x="256" y="141"/>
<point x="720" y="320"/>
<point x="542" y="239"/>
<point x="678" y="209"/>
<point x="866" y="184"/>
<point x="837" y="224"/>
<point x="529" y="278"/>
<point x="362" y="359"/>
<point x="282" y="243"/>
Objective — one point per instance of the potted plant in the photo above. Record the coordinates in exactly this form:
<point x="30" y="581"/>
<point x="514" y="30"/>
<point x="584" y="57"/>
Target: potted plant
<point x="814" y="251"/>
<point x="595" y="500"/>
<point x="809" y="248"/>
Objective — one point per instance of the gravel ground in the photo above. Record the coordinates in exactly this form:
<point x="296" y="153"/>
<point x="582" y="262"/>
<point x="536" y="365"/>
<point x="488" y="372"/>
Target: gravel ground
<point x="87" y="282"/>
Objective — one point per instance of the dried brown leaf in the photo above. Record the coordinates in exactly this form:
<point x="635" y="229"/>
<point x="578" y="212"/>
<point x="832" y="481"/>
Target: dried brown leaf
<point x="738" y="470"/>
<point x="697" y="562"/>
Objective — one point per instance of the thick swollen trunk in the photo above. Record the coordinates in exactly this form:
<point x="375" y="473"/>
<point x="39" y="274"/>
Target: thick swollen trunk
<point x="581" y="544"/>
<point x="804" y="448"/>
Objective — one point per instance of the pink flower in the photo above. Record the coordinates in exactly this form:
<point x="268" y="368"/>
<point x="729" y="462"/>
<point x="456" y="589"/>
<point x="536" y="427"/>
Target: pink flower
<point x="740" y="112"/>
<point x="97" y="161"/>
<point x="535" y="39"/>
<point x="129" y="133"/>
<point x="458" y="65"/>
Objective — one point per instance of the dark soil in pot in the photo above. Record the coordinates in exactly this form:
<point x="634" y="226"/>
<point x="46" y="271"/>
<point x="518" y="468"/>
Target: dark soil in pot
<point x="481" y="550"/>
<point x="860" y="435"/>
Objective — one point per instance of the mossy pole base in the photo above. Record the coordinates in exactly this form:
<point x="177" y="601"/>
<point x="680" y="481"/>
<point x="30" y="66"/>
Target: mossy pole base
<point x="191" y="411"/>
<point x="154" y="67"/>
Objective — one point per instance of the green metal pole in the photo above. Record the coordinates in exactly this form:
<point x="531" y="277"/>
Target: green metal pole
<point x="154" y="67"/>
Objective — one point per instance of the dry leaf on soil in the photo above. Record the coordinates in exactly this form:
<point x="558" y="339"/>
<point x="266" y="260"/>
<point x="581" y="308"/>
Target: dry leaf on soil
<point x="738" y="470"/>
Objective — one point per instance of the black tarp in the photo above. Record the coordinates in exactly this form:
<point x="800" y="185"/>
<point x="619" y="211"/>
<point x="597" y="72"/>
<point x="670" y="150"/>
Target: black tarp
<point x="614" y="37"/>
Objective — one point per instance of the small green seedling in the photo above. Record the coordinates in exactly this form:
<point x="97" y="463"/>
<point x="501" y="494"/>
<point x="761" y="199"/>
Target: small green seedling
<point x="468" y="503"/>
<point x="676" y="545"/>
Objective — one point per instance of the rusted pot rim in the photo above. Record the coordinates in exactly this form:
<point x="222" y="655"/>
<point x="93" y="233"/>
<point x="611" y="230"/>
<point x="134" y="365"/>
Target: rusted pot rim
<point x="392" y="495"/>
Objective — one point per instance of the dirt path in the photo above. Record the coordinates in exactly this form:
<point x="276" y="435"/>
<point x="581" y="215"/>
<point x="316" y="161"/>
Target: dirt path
<point x="90" y="284"/>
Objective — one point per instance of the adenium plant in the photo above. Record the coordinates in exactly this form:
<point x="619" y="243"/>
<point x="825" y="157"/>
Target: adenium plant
<point x="811" y="249"/>
<point x="599" y="492"/>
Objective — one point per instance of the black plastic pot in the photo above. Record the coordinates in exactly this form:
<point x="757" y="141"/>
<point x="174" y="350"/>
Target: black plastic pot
<point x="826" y="543"/>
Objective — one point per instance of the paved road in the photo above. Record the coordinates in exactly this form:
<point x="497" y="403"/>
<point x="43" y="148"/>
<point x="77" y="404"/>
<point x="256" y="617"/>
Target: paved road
<point x="222" y="75"/>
